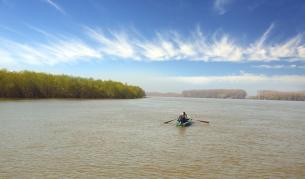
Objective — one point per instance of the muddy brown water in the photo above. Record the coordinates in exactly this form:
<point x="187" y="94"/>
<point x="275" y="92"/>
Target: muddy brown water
<point x="127" y="139"/>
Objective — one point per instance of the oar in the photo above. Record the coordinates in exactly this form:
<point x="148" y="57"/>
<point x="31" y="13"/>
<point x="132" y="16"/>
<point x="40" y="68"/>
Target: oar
<point x="169" y="121"/>
<point x="203" y="121"/>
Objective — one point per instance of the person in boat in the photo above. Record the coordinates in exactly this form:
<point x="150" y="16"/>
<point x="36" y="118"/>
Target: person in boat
<point x="183" y="118"/>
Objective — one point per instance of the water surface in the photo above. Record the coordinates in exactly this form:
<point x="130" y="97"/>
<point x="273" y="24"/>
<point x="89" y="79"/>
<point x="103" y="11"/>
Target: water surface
<point x="127" y="138"/>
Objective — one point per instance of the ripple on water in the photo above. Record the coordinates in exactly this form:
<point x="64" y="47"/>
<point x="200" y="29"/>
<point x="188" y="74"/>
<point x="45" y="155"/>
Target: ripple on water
<point x="127" y="138"/>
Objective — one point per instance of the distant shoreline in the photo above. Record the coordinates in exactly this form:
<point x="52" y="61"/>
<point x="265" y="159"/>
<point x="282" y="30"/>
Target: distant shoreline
<point x="85" y="99"/>
<point x="234" y="94"/>
<point x="223" y="98"/>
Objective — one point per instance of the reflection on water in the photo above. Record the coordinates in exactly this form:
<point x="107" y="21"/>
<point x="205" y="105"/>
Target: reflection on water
<point x="182" y="130"/>
<point x="127" y="138"/>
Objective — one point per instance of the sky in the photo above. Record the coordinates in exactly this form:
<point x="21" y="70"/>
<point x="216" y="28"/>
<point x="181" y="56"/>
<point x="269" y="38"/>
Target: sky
<point x="160" y="45"/>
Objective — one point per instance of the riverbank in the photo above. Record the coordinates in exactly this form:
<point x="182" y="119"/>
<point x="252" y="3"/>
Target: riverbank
<point x="34" y="85"/>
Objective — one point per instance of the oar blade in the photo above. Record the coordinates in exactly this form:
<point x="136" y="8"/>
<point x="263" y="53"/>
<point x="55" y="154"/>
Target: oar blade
<point x="204" y="121"/>
<point x="168" y="121"/>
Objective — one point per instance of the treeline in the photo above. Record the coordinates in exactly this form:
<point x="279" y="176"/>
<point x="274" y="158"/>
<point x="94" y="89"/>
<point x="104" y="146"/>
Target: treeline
<point x="26" y="84"/>
<point x="280" y="95"/>
<point x="216" y="93"/>
<point x="169" y="94"/>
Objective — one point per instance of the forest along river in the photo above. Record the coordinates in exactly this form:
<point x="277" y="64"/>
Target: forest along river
<point x="127" y="138"/>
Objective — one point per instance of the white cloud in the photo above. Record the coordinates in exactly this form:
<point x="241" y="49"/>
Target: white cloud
<point x="249" y="82"/>
<point x="41" y="31"/>
<point x="117" y="44"/>
<point x="220" y="6"/>
<point x="301" y="51"/>
<point x="292" y="66"/>
<point x="173" y="46"/>
<point x="5" y="59"/>
<point x="258" y="50"/>
<point x="287" y="49"/>
<point x="270" y="66"/>
<point x="56" y="6"/>
<point x="244" y="78"/>
<point x="50" y="53"/>
<point x="69" y="50"/>
<point x="223" y="50"/>
<point x="166" y="45"/>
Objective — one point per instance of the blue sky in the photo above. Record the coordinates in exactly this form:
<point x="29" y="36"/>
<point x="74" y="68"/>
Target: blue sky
<point x="163" y="45"/>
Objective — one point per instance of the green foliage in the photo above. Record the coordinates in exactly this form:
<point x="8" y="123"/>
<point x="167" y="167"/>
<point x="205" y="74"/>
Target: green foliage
<point x="26" y="84"/>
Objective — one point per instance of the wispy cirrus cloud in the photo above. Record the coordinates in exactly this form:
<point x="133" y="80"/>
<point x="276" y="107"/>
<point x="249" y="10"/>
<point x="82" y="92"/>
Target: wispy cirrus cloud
<point x="163" y="46"/>
<point x="56" y="51"/>
<point x="40" y="31"/>
<point x="173" y="46"/>
<point x="220" y="6"/>
<point x="116" y="44"/>
<point x="293" y="66"/>
<point x="56" y="6"/>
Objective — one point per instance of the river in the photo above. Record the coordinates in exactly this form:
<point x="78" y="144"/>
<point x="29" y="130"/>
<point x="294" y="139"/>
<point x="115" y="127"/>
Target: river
<point x="128" y="139"/>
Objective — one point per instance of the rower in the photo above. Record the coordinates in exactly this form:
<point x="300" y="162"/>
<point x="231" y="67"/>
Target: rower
<point x="183" y="118"/>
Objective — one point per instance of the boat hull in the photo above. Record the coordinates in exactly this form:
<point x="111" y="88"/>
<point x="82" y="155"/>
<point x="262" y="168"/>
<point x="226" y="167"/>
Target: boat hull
<point x="185" y="124"/>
